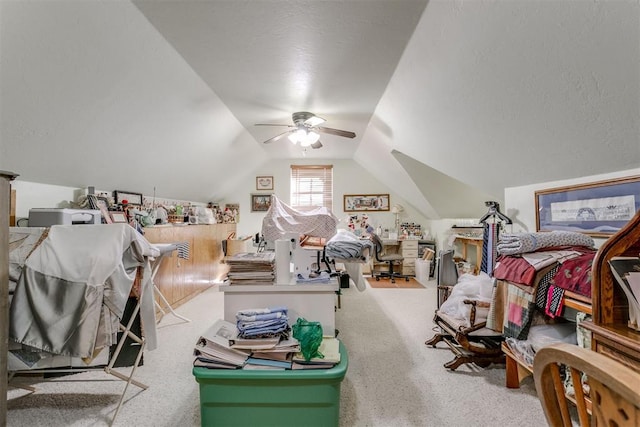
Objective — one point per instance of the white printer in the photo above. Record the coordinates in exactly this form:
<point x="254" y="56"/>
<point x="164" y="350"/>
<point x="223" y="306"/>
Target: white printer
<point x="46" y="217"/>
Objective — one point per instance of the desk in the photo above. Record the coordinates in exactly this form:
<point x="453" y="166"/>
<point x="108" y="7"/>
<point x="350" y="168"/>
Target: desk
<point x="408" y="248"/>
<point x="315" y="302"/>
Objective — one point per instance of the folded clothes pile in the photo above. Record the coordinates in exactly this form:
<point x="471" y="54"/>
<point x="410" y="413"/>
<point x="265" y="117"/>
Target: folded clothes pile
<point x="519" y="243"/>
<point x="263" y="323"/>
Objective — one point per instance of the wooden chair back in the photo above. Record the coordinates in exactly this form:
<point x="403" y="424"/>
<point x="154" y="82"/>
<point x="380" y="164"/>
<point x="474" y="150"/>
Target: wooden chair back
<point x="611" y="394"/>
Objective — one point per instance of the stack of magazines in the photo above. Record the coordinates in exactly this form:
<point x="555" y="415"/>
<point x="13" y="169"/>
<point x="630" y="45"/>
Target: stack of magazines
<point x="220" y="347"/>
<point x="248" y="268"/>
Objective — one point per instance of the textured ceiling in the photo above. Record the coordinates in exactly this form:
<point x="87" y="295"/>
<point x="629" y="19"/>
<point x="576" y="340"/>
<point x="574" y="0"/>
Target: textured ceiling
<point x="450" y="100"/>
<point x="268" y="59"/>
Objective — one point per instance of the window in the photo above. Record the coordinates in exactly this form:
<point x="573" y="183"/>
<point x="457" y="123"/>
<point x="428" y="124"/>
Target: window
<point x="311" y="186"/>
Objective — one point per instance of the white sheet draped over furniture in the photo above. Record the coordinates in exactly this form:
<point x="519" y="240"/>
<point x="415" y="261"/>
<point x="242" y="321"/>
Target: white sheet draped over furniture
<point x="74" y="286"/>
<point x="281" y="220"/>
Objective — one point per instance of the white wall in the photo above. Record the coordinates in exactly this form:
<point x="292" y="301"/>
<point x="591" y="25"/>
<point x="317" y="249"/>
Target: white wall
<point x="348" y="178"/>
<point x="520" y="201"/>
<point x="36" y="195"/>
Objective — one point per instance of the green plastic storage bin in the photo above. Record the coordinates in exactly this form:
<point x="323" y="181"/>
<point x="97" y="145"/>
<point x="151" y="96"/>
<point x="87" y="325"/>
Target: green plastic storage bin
<point x="271" y="398"/>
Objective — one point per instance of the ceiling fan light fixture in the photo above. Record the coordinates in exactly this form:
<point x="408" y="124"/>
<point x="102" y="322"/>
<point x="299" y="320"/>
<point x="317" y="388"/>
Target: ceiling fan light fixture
<point x="297" y="136"/>
<point x="311" y="137"/>
<point x="304" y="137"/>
<point x="305" y="130"/>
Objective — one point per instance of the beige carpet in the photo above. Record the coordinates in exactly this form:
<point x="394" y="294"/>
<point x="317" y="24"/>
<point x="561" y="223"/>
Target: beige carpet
<point x="399" y="283"/>
<point x="393" y="378"/>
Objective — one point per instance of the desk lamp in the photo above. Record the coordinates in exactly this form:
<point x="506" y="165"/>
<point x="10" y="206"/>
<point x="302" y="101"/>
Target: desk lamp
<point x="396" y="209"/>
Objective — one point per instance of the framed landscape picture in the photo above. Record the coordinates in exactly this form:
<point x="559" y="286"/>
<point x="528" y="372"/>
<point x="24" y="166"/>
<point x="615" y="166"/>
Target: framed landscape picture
<point x="366" y="202"/>
<point x="260" y="202"/>
<point x="598" y="209"/>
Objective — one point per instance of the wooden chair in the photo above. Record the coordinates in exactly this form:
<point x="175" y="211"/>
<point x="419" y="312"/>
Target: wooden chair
<point x="470" y="342"/>
<point x="473" y="343"/>
<point x="611" y="395"/>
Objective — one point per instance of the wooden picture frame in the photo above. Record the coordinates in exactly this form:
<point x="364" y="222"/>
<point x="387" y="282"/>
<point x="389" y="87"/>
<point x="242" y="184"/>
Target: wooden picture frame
<point x="118" y="217"/>
<point x="264" y="183"/>
<point x="131" y="197"/>
<point x="599" y="209"/>
<point x="260" y="202"/>
<point x="366" y="202"/>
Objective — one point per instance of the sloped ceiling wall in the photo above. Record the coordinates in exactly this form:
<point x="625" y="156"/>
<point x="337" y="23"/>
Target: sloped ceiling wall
<point x="93" y="95"/>
<point x="501" y="94"/>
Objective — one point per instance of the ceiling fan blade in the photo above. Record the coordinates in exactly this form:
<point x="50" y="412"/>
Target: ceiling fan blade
<point x="338" y="132"/>
<point x="316" y="144"/>
<point x="272" y="124"/>
<point x="277" y="137"/>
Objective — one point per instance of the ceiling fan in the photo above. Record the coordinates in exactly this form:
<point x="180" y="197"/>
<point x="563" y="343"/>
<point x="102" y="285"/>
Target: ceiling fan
<point x="306" y="130"/>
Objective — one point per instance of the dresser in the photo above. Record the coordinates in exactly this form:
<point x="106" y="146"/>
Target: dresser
<point x="409" y="250"/>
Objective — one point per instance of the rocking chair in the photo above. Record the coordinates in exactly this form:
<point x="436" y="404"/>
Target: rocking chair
<point x="470" y="342"/>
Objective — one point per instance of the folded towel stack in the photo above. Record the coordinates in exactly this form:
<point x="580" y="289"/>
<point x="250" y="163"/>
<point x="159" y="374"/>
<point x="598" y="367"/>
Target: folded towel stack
<point x="263" y="323"/>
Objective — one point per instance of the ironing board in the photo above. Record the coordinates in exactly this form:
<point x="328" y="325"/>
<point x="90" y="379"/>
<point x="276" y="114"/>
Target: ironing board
<point x="166" y="249"/>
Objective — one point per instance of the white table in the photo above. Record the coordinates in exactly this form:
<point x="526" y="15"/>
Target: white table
<point x="314" y="302"/>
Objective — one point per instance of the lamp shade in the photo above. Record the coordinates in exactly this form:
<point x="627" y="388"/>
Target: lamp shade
<point x="397" y="209"/>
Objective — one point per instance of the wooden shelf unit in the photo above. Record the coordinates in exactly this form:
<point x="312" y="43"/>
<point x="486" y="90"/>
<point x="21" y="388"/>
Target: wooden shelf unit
<point x="179" y="280"/>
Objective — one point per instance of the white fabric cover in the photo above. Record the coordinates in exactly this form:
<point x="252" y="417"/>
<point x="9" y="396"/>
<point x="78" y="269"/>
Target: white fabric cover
<point x="469" y="286"/>
<point x="60" y="302"/>
<point x="281" y="219"/>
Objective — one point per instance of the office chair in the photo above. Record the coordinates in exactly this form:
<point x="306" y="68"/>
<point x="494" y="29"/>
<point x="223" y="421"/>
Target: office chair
<point x="387" y="258"/>
<point x="610" y="395"/>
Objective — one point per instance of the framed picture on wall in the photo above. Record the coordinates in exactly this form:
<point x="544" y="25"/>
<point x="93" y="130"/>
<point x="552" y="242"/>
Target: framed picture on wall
<point x="264" y="183"/>
<point x="130" y="197"/>
<point x="260" y="202"/>
<point x="598" y="209"/>
<point x="366" y="202"/>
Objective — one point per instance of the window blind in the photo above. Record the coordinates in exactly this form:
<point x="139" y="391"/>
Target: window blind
<point x="311" y="186"/>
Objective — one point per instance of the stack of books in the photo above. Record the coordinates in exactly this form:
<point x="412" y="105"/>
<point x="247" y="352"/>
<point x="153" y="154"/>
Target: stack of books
<point x="221" y="348"/>
<point x="330" y="350"/>
<point x="278" y="356"/>
<point x="213" y="348"/>
<point x="249" y="268"/>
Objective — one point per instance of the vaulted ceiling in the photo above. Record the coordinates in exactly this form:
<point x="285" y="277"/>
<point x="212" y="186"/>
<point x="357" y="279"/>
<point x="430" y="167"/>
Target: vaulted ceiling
<point x="451" y="101"/>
